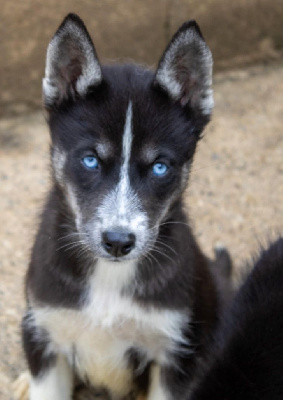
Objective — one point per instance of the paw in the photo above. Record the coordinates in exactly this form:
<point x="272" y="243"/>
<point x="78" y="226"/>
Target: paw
<point x="21" y="387"/>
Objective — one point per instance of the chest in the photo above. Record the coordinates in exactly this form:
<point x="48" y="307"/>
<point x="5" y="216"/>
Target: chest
<point x="97" y="337"/>
<point x="110" y="319"/>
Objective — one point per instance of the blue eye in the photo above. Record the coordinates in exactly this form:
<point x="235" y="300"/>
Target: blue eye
<point x="90" y="162"/>
<point x="159" y="169"/>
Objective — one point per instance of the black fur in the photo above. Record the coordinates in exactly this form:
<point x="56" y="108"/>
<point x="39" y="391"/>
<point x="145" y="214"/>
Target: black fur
<point x="246" y="361"/>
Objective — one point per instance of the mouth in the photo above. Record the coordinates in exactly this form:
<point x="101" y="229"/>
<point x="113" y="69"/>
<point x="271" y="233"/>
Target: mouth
<point x="118" y="259"/>
<point x="113" y="259"/>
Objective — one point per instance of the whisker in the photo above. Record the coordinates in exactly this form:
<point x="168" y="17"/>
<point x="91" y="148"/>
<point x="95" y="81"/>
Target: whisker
<point x="167" y="246"/>
<point x="71" y="244"/>
<point x="74" y="246"/>
<point x="147" y="256"/>
<point x="153" y="248"/>
<point x="175" y="222"/>
<point x="169" y="223"/>
<point x="74" y="234"/>
<point x="169" y="237"/>
<point x="151" y="255"/>
<point x="163" y="254"/>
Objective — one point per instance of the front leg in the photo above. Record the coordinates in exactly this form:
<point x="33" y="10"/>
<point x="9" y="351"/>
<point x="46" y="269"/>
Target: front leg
<point x="157" y="388"/>
<point x="51" y="375"/>
<point x="53" y="383"/>
<point x="170" y="382"/>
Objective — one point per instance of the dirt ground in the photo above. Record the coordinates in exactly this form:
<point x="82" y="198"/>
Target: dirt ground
<point x="235" y="196"/>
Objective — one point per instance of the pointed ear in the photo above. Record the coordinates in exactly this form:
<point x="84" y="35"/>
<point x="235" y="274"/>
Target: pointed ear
<point x="72" y="65"/>
<point x="185" y="69"/>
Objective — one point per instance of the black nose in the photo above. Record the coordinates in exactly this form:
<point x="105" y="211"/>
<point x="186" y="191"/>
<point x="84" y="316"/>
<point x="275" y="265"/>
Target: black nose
<point x="118" y="244"/>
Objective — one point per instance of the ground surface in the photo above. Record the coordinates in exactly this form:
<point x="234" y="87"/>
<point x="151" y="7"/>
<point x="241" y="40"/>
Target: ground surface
<point x="235" y="196"/>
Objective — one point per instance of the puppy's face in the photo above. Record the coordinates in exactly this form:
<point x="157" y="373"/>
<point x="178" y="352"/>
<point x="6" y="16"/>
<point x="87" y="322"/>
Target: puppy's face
<point x="123" y="140"/>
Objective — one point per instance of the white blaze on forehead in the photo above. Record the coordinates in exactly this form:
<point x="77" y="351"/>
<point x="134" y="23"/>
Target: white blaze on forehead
<point x="123" y="188"/>
<point x="128" y="135"/>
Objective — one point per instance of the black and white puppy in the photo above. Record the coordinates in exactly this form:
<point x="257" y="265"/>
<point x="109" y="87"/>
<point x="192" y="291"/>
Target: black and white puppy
<point x="118" y="291"/>
<point x="246" y="362"/>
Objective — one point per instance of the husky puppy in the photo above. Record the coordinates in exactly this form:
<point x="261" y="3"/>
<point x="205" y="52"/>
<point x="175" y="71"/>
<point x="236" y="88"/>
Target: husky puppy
<point x="118" y="291"/>
<point x="246" y="362"/>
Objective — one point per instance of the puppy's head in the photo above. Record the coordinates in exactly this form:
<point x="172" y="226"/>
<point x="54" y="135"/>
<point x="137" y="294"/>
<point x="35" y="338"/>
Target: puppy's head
<point x="123" y="137"/>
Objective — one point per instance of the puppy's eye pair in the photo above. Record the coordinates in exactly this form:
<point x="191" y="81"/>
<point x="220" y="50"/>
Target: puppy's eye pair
<point x="159" y="169"/>
<point x="90" y="162"/>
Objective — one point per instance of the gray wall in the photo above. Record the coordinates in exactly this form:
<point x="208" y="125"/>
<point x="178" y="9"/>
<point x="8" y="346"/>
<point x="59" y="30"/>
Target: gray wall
<point x="239" y="32"/>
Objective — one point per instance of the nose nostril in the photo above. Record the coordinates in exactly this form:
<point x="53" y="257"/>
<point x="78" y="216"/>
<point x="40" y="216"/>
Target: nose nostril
<point x="127" y="248"/>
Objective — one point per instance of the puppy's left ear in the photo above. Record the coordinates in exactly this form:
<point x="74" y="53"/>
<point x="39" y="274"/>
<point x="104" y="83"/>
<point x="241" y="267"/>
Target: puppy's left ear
<point x="185" y="70"/>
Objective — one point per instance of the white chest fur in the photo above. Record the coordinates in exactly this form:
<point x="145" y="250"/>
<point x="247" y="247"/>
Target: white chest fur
<point x="108" y="325"/>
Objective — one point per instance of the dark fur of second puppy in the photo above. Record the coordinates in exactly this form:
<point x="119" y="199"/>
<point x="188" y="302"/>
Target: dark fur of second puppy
<point x="118" y="291"/>
<point x="246" y="360"/>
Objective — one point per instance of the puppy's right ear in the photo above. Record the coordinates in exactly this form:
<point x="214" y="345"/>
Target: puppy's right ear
<point x="72" y="66"/>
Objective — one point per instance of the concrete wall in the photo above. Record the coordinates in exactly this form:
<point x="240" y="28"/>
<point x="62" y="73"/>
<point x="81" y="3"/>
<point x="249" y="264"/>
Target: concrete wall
<point x="239" y="33"/>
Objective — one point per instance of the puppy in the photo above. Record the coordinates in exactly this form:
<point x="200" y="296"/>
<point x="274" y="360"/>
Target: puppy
<point x="118" y="291"/>
<point x="246" y="361"/>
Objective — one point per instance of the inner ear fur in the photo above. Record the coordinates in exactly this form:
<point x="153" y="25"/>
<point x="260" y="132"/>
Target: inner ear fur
<point x="72" y="65"/>
<point x="185" y="69"/>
